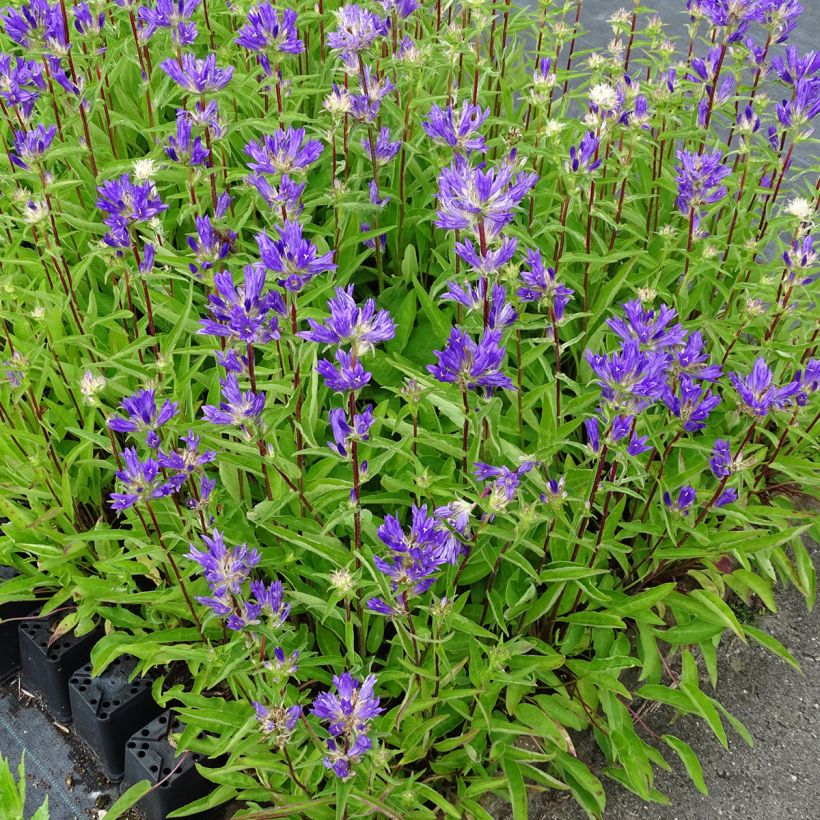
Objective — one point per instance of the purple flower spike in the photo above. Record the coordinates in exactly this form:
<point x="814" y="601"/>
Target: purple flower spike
<point x="277" y="722"/>
<point x="492" y="261"/>
<point x="593" y="433"/>
<point x="582" y="159"/>
<point x="267" y="602"/>
<point x="479" y="200"/>
<point x="720" y="462"/>
<point x="358" y="28"/>
<point x="458" y="130"/>
<point x="648" y="327"/>
<point x="360" y="327"/>
<point x="225" y="570"/>
<point x="349" y="376"/>
<point x="630" y="379"/>
<point x="344" y="434"/>
<point x="385" y="149"/>
<point x="21" y="82"/>
<point x="693" y="360"/>
<point x="125" y="203"/>
<point x="29" y="146"/>
<point x="236" y="408"/>
<point x="247" y="312"/>
<point x="365" y="106"/>
<point x="416" y="556"/>
<point x="86" y="23"/>
<point x="142" y="415"/>
<point x="174" y="15"/>
<point x="285" y="199"/>
<point x="541" y="286"/>
<point x="197" y="76"/>
<point x="188" y="458"/>
<point x="294" y="258"/>
<point x="637" y="445"/>
<point x="726" y="497"/>
<point x="142" y="481"/>
<point x="757" y="392"/>
<point x="268" y="34"/>
<point x="692" y="404"/>
<point x="686" y="498"/>
<point x="473" y="365"/>
<point x="699" y="178"/>
<point x="505" y="482"/>
<point x="210" y="245"/>
<point x="348" y="714"/>
<point x="181" y="148"/>
<point x="283" y="152"/>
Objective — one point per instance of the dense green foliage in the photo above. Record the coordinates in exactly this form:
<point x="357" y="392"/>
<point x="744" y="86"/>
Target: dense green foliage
<point x="570" y="606"/>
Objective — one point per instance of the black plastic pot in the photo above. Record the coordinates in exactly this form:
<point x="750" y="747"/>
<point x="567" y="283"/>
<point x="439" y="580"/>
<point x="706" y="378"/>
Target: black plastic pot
<point x="9" y="642"/>
<point x="149" y="756"/>
<point x="108" y="709"/>
<point x="47" y="669"/>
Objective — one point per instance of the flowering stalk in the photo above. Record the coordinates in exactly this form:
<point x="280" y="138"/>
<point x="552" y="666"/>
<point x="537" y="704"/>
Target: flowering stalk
<point x="263" y="450"/>
<point x="371" y="139"/>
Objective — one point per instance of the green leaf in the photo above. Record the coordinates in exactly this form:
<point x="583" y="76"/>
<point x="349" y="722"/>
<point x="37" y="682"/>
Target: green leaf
<point x="689" y="760"/>
<point x="128" y="799"/>
<point x="516" y="788"/>
<point x="772" y="644"/>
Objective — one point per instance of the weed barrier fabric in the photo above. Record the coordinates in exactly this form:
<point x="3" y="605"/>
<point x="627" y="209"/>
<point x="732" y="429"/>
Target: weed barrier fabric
<point x="53" y="759"/>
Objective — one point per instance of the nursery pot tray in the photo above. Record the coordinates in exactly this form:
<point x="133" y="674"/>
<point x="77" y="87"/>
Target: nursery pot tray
<point x="47" y="669"/>
<point x="149" y="756"/>
<point x="108" y="709"/>
<point x="10" y="657"/>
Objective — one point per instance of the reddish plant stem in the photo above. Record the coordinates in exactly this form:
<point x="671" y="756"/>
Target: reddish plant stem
<point x="175" y="569"/>
<point x="297" y="387"/>
<point x="568" y="66"/>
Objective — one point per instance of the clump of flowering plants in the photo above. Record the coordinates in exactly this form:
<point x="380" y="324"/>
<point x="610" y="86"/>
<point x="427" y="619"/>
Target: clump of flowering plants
<point x="408" y="387"/>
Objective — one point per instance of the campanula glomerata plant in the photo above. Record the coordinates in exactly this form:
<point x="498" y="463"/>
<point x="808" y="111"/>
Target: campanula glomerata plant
<point x="406" y="385"/>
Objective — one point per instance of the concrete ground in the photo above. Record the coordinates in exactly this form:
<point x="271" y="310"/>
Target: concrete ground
<point x="777" y="779"/>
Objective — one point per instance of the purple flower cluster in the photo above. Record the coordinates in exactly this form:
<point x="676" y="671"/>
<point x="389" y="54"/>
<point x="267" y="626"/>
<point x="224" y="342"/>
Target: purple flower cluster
<point x="348" y="324"/>
<point x="282" y="155"/>
<point x="124" y="204"/>
<point x="197" y="76"/>
<point x="142" y="481"/>
<point x="415" y="558"/>
<point x="348" y="714"/>
<point x="293" y="257"/>
<point x="30" y="146"/>
<point x="358" y="28"/>
<point x="757" y="392"/>
<point x="541" y="286"/>
<point x="472" y="364"/>
<point x="699" y="180"/>
<point x="226" y="571"/>
<point x="142" y="415"/>
<point x="174" y="15"/>
<point x="237" y="408"/>
<point x="457" y="129"/>
<point x="21" y="82"/>
<point x="344" y="433"/>
<point x="630" y="379"/>
<point x="246" y="313"/>
<point x="480" y="200"/>
<point x="268" y="35"/>
<point x="504" y="481"/>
